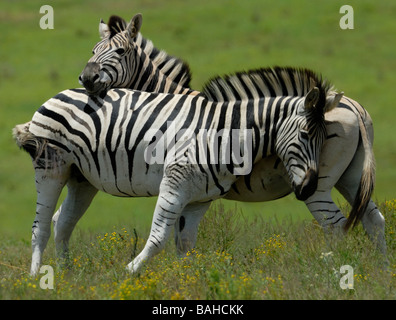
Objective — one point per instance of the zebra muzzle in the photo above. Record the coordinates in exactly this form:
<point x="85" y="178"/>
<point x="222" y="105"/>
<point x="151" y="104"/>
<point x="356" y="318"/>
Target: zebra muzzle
<point x="308" y="186"/>
<point x="90" y="78"/>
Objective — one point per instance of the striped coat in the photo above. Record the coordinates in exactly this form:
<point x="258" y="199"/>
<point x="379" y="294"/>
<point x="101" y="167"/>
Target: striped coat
<point x="101" y="144"/>
<point x="347" y="160"/>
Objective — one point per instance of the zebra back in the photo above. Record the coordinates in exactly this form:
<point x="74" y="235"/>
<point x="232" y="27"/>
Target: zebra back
<point x="269" y="82"/>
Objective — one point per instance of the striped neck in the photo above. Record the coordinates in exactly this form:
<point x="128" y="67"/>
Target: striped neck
<point x="154" y="70"/>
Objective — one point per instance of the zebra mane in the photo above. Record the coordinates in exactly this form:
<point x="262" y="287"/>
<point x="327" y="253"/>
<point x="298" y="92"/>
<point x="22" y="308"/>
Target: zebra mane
<point x="116" y="24"/>
<point x="174" y="68"/>
<point x="266" y="82"/>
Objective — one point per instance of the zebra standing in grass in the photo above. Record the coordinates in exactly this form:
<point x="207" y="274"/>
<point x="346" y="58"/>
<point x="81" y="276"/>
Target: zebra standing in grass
<point x="101" y="144"/>
<point x="346" y="162"/>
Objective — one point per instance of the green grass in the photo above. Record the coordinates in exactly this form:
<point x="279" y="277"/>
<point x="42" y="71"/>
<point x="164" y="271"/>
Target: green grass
<point x="235" y="258"/>
<point x="215" y="37"/>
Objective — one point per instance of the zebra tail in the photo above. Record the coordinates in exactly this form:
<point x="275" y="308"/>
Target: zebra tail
<point x="367" y="180"/>
<point x="28" y="141"/>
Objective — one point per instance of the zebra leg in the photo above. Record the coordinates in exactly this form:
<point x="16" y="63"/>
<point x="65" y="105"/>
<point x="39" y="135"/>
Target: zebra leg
<point x="374" y="224"/>
<point x="325" y="211"/>
<point x="186" y="227"/>
<point x="373" y="221"/>
<point x="49" y="186"/>
<point x="78" y="199"/>
<point x="167" y="211"/>
<point x="180" y="186"/>
<point x="336" y="155"/>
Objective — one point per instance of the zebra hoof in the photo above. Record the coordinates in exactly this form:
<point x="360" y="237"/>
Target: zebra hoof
<point x="134" y="266"/>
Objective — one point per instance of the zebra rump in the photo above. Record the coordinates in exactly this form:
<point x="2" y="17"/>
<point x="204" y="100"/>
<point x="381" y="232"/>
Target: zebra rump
<point x="44" y="155"/>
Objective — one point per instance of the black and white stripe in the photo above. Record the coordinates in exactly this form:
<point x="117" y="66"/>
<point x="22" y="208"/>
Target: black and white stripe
<point x="266" y="181"/>
<point x="349" y="127"/>
<point x="103" y="142"/>
<point x="124" y="59"/>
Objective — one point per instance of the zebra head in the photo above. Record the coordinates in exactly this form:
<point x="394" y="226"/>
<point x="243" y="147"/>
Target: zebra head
<point x="300" y="139"/>
<point x="111" y="56"/>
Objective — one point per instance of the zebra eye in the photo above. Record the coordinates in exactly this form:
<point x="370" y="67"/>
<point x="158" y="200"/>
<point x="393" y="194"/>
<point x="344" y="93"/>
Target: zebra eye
<point x="304" y="135"/>
<point x="120" y="51"/>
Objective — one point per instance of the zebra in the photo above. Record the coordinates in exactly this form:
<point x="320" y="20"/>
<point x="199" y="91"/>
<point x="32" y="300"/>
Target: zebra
<point x="347" y="161"/>
<point x="92" y="144"/>
<point x="123" y="48"/>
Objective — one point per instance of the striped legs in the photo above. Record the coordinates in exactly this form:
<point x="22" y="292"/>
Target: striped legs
<point x="331" y="167"/>
<point x="373" y="221"/>
<point x="325" y="211"/>
<point x="79" y="197"/>
<point x="49" y="186"/>
<point x="177" y="189"/>
<point x="167" y="211"/>
<point x="344" y="173"/>
<point x="186" y="227"/>
<point x="374" y="224"/>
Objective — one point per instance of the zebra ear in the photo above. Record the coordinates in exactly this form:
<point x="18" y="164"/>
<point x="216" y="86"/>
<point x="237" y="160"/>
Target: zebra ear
<point x="103" y="29"/>
<point x="134" y="25"/>
<point x="311" y="99"/>
<point x="333" y="100"/>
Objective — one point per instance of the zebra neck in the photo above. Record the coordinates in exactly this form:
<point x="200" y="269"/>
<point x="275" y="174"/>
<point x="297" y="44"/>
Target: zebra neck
<point x="146" y="76"/>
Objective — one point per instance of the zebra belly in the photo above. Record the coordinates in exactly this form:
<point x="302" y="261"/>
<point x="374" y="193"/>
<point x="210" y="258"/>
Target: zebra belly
<point x="142" y="183"/>
<point x="267" y="181"/>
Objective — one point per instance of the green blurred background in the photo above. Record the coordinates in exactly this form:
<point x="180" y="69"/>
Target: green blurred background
<point x="214" y="37"/>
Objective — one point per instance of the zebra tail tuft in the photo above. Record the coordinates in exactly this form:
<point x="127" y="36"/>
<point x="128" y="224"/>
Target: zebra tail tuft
<point x="28" y="141"/>
<point x="367" y="181"/>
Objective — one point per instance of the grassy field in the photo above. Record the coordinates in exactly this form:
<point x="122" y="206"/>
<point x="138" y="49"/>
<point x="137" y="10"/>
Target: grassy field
<point x="215" y="37"/>
<point x="245" y="260"/>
